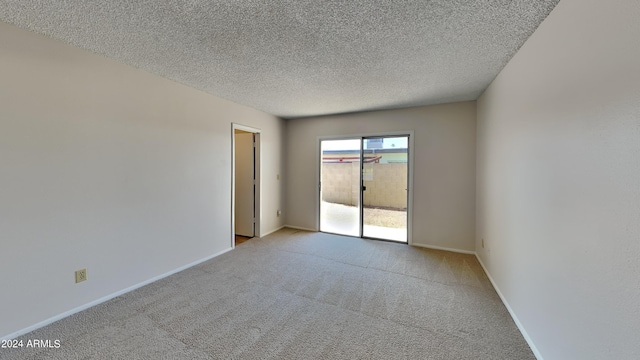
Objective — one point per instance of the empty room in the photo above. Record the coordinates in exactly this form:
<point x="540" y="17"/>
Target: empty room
<point x="246" y="179"/>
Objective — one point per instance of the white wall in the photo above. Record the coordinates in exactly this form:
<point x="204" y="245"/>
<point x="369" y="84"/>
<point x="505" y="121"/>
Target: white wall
<point x="106" y="167"/>
<point x="444" y="171"/>
<point x="558" y="182"/>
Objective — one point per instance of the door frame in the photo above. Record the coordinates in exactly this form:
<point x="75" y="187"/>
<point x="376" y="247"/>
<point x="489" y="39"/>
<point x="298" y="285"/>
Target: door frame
<point x="361" y="136"/>
<point x="258" y="186"/>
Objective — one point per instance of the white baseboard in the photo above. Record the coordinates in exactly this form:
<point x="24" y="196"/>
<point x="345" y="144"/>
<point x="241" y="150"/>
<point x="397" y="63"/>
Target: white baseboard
<point x="300" y="228"/>
<point x="524" y="333"/>
<point x="106" y="298"/>
<point x="272" y="231"/>
<point x="444" y="248"/>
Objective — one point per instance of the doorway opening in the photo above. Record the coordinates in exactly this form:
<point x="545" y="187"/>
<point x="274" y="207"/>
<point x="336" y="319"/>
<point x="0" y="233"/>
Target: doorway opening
<point x="245" y="184"/>
<point x="364" y="187"/>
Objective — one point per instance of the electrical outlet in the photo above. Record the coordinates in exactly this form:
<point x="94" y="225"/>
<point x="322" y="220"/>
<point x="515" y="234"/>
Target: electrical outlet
<point x="483" y="243"/>
<point x="81" y="275"/>
<point x="278" y="213"/>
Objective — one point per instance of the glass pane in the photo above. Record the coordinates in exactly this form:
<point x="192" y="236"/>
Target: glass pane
<point x="340" y="187"/>
<point x="384" y="177"/>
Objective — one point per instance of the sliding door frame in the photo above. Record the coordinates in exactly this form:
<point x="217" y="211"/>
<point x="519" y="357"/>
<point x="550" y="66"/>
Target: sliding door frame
<point x="360" y="196"/>
<point x="362" y="136"/>
<point x="362" y="185"/>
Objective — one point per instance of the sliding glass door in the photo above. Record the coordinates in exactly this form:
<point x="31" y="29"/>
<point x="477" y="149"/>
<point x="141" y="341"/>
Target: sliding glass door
<point x="339" y="193"/>
<point x="384" y="187"/>
<point x="364" y="187"/>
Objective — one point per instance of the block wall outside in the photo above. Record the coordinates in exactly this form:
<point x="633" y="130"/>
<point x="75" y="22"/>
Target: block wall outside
<point x="387" y="188"/>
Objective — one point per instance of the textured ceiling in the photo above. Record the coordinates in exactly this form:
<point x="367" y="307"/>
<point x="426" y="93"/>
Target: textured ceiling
<point x="295" y="58"/>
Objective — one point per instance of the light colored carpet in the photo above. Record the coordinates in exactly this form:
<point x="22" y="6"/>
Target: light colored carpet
<point x="300" y="295"/>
